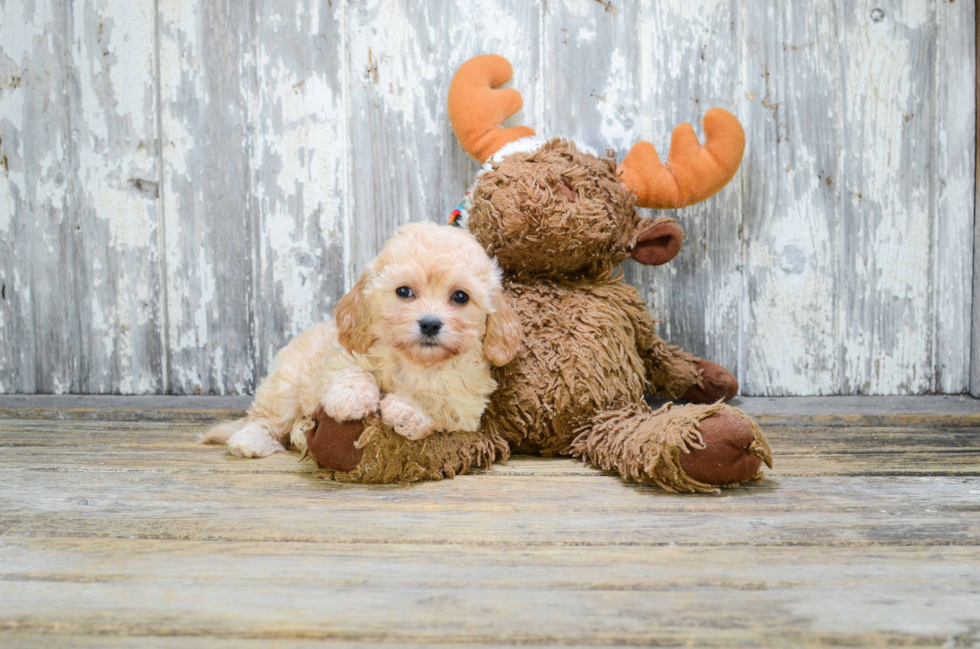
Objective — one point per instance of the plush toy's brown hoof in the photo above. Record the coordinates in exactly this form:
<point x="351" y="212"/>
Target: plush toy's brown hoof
<point x="717" y="383"/>
<point x="729" y="454"/>
<point x="331" y="442"/>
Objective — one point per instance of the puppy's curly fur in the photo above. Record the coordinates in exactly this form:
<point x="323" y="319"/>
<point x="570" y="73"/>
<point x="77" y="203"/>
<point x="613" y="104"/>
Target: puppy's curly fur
<point x="377" y="354"/>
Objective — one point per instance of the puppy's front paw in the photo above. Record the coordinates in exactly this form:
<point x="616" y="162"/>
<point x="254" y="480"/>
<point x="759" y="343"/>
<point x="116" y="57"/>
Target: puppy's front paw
<point x="253" y="442"/>
<point x="406" y="418"/>
<point x="346" y="402"/>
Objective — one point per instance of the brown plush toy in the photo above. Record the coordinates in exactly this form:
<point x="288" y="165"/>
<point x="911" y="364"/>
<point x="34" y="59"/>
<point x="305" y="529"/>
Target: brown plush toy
<point x="560" y="221"/>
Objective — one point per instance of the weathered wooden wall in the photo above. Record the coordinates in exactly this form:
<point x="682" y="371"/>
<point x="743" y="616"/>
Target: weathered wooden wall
<point x="185" y="184"/>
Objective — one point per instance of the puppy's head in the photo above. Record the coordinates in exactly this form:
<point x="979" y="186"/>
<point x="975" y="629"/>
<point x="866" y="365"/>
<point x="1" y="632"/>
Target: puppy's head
<point x="431" y="295"/>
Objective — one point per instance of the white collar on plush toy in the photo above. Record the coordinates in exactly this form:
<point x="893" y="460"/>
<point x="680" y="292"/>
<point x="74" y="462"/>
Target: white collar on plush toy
<point x="458" y="216"/>
<point x="523" y="145"/>
<point x="527" y="145"/>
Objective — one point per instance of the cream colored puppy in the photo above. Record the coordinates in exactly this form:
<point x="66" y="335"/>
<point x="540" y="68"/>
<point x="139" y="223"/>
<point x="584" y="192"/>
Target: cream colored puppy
<point x="415" y="337"/>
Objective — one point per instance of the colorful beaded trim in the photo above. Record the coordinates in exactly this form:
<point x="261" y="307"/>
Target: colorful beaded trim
<point x="458" y="216"/>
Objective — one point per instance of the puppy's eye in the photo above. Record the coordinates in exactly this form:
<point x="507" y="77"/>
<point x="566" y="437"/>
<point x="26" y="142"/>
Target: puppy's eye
<point x="459" y="297"/>
<point x="404" y="291"/>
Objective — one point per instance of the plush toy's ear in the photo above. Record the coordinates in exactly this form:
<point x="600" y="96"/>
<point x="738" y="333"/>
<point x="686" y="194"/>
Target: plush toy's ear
<point x="693" y="172"/>
<point x="477" y="108"/>
<point x="656" y="242"/>
<point x="354" y="318"/>
<point x="503" y="338"/>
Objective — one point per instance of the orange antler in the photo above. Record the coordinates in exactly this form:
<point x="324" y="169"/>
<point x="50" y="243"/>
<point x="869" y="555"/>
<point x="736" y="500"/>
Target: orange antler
<point x="477" y="108"/>
<point x="693" y="172"/>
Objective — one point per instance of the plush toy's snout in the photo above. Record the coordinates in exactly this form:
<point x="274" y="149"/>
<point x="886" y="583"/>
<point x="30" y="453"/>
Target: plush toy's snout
<point x="656" y="241"/>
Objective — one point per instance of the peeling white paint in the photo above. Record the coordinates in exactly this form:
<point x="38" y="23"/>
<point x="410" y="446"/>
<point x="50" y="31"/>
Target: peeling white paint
<point x="396" y="68"/>
<point x="25" y="27"/>
<point x="8" y="206"/>
<point x="617" y="112"/>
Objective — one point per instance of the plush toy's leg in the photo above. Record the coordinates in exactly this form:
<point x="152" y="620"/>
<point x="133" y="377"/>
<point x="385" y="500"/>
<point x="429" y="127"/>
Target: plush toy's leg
<point x="370" y="451"/>
<point x="678" y="448"/>
<point x="672" y="373"/>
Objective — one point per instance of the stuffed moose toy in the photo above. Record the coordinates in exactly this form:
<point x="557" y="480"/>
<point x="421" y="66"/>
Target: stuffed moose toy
<point x="560" y="220"/>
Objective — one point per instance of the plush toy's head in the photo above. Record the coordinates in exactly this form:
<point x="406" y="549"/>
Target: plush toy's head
<point x="549" y="206"/>
<point x="558" y="209"/>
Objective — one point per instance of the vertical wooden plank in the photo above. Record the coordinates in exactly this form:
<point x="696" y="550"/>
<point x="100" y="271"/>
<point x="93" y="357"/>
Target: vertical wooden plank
<point x="888" y="314"/>
<point x="975" y="330"/>
<point x="112" y="100"/>
<point x="299" y="168"/>
<point x="955" y="85"/>
<point x="39" y="335"/>
<point x="204" y="95"/>
<point x="791" y="204"/>
<point x="406" y="163"/>
<point x="688" y="63"/>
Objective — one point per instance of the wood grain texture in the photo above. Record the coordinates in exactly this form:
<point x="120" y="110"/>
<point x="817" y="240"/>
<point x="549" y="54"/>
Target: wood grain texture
<point x="975" y="346"/>
<point x="186" y="184"/>
<point x="39" y="324"/>
<point x="887" y="226"/>
<point x="548" y="596"/>
<point x="115" y="197"/>
<point x="791" y="210"/>
<point x="953" y="192"/>
<point x="123" y="532"/>
<point x="927" y="510"/>
<point x="205" y="192"/>
<point x="591" y="83"/>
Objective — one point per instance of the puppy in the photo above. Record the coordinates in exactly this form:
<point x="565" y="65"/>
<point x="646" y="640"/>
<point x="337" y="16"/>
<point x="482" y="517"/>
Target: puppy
<point x="414" y="338"/>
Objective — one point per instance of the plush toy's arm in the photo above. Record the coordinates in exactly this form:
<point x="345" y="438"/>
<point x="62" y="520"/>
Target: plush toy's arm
<point x="370" y="451"/>
<point x="672" y="373"/>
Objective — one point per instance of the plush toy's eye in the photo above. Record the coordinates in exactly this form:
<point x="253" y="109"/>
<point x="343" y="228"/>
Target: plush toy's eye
<point x="404" y="291"/>
<point x="459" y="297"/>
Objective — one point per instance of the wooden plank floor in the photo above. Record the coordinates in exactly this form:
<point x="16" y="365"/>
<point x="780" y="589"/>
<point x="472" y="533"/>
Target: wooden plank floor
<point x="117" y="529"/>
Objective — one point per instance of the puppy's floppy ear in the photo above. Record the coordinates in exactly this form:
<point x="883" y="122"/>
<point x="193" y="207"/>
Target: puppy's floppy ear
<point x="503" y="338"/>
<point x="354" y="317"/>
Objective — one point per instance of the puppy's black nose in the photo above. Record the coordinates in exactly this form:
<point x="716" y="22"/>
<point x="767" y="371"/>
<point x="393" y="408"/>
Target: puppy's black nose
<point x="430" y="326"/>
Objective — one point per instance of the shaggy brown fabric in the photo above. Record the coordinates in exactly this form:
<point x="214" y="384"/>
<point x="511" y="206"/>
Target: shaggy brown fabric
<point x="554" y="210"/>
<point x="580" y="352"/>
<point x="651" y="447"/>
<point x="387" y="457"/>
<point x="588" y="343"/>
<point x="559" y="222"/>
